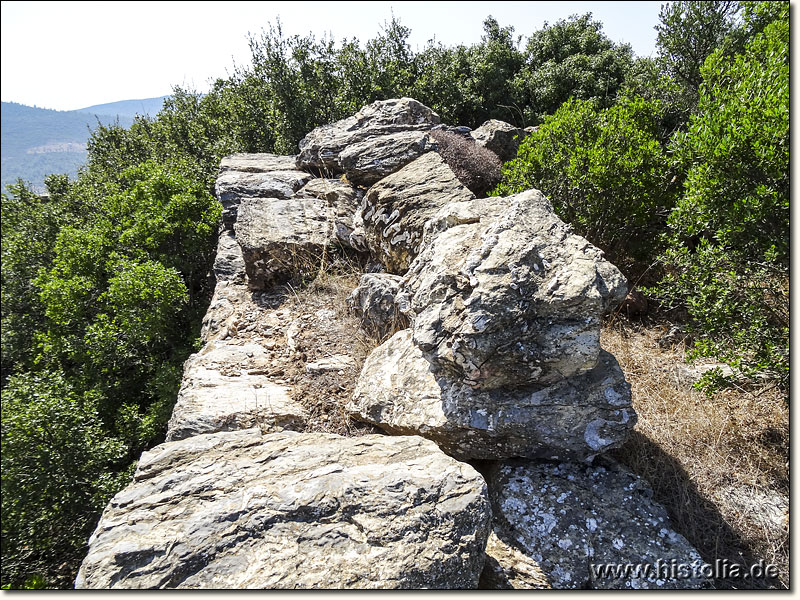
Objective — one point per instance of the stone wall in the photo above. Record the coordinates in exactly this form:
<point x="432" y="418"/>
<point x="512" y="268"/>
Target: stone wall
<point x="496" y="402"/>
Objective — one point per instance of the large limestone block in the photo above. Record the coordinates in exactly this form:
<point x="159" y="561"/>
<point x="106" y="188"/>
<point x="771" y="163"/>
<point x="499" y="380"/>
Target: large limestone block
<point x="506" y="295"/>
<point x="500" y="137"/>
<point x="573" y="419"/>
<point x="343" y="198"/>
<point x="288" y="510"/>
<point x="396" y="208"/>
<point x="320" y="149"/>
<point x="224" y="388"/>
<point x="366" y="162"/>
<point x="568" y="517"/>
<point x="257" y="163"/>
<point x="281" y="236"/>
<point x="255" y="175"/>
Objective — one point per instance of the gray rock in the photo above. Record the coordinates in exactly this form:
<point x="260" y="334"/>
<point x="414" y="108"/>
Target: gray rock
<point x="500" y="137"/>
<point x="673" y="337"/>
<point x="343" y="198"/>
<point x="242" y="510"/>
<point x="505" y="295"/>
<point x="692" y="373"/>
<point x="282" y="237"/>
<point x="373" y="301"/>
<point x="228" y="263"/>
<point x="366" y="162"/>
<point x="358" y="237"/>
<point x="320" y="149"/>
<point x="461" y="130"/>
<point x="255" y="175"/>
<point x="337" y="362"/>
<point x="224" y="388"/>
<point x="396" y="208"/>
<point x="224" y="311"/>
<point x="568" y="517"/>
<point x="573" y="419"/>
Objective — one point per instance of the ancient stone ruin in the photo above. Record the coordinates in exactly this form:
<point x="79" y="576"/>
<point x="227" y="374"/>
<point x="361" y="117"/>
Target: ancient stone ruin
<point x="495" y="402"/>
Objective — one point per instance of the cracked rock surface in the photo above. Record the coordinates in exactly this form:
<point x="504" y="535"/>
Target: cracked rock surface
<point x="573" y="419"/>
<point x="321" y="148"/>
<point x="225" y="387"/>
<point x="255" y="175"/>
<point x="289" y="510"/>
<point x="504" y="294"/>
<point x="279" y="237"/>
<point x="396" y="208"/>
<point x="568" y="517"/>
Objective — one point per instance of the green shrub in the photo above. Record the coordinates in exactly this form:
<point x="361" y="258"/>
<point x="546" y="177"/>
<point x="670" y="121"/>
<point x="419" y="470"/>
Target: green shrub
<point x="59" y="469"/>
<point x="605" y="172"/>
<point x="729" y="255"/>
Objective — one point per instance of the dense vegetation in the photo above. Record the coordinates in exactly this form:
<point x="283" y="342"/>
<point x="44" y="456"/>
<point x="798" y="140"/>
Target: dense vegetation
<point x="684" y="180"/>
<point x="105" y="280"/>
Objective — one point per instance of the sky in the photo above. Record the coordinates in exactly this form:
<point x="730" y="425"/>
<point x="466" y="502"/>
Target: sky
<point x="70" y="55"/>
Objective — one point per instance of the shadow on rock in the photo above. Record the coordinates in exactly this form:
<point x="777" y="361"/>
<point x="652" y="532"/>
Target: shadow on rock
<point x="693" y="515"/>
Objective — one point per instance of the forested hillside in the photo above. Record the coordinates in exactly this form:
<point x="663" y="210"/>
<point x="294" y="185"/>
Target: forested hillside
<point x="676" y="166"/>
<point x="38" y="141"/>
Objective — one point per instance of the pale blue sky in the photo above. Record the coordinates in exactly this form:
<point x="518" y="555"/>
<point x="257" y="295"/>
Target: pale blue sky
<point x="68" y="55"/>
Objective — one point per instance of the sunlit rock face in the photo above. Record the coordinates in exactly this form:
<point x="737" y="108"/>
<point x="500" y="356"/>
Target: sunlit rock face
<point x="241" y="509"/>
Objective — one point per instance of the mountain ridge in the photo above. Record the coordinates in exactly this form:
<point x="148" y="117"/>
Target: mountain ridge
<point x="37" y="141"/>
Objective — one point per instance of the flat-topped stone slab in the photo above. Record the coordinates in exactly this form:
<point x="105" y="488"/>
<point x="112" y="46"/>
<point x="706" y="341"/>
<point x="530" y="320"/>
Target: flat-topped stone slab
<point x="280" y="237"/>
<point x="239" y="510"/>
<point x="258" y="162"/>
<point x="225" y="388"/>
<point x="255" y="175"/>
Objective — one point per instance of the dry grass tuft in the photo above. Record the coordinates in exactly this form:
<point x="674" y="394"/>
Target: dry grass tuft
<point x="719" y="465"/>
<point x="475" y="166"/>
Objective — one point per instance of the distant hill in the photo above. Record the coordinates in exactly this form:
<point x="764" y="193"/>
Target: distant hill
<point x="128" y="108"/>
<point x="38" y="141"/>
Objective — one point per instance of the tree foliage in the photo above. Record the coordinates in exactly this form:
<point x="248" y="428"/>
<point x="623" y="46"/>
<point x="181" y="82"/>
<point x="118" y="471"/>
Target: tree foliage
<point x="59" y="469"/>
<point x="572" y="58"/>
<point x="605" y="172"/>
<point x="100" y="280"/>
<point x="688" y="33"/>
<point x="729" y="232"/>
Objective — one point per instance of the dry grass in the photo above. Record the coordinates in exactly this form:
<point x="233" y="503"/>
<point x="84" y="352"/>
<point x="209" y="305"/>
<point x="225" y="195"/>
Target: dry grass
<point x="325" y="328"/>
<point x="719" y="465"/>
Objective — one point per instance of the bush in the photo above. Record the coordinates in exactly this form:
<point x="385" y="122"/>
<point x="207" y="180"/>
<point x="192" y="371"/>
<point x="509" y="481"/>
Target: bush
<point x="605" y="172"/>
<point x="729" y="256"/>
<point x="59" y="469"/>
<point x="475" y="166"/>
